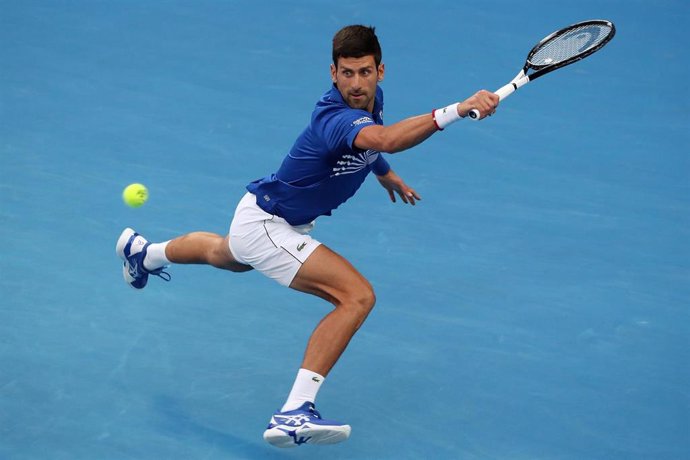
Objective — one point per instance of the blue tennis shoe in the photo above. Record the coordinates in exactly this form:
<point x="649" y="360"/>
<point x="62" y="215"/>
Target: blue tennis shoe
<point x="304" y="426"/>
<point x="131" y="248"/>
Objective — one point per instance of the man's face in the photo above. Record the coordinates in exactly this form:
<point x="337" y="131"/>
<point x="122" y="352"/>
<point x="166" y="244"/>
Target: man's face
<point x="356" y="79"/>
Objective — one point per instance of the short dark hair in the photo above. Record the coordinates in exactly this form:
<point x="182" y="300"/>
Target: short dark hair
<point x="356" y="41"/>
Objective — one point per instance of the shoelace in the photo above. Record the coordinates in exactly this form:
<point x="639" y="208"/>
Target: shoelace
<point x="165" y="276"/>
<point x="313" y="410"/>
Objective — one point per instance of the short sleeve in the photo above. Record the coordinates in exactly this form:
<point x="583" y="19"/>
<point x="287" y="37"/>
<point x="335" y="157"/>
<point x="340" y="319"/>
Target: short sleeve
<point x="341" y="127"/>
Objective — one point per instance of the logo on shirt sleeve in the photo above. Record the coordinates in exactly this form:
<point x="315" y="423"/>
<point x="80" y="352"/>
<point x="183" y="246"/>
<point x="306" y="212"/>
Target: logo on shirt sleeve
<point x="362" y="120"/>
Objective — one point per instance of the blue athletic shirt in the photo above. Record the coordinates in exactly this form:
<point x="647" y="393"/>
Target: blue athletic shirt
<point x="324" y="168"/>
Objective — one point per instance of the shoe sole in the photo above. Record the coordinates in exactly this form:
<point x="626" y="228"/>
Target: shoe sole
<point x="315" y="434"/>
<point x="120" y="251"/>
<point x="122" y="242"/>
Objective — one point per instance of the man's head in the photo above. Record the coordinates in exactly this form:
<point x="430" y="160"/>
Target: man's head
<point x="355" y="42"/>
<point x="357" y="68"/>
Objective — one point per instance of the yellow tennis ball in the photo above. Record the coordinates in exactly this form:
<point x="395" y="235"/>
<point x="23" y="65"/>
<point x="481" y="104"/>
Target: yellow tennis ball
<point x="135" y="195"/>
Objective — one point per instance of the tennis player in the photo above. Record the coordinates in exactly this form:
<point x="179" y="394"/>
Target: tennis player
<point x="270" y="231"/>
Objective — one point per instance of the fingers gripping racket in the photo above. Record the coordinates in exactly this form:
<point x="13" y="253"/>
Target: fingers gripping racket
<point x="558" y="50"/>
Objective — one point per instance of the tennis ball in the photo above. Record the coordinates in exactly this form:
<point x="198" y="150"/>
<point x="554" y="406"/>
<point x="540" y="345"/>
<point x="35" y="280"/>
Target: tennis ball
<point x="135" y="195"/>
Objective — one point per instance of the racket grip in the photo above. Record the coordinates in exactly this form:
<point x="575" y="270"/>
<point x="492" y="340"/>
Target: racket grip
<point x="502" y="92"/>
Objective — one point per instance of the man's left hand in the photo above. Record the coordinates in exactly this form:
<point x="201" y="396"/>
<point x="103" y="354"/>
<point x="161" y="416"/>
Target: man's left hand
<point x="394" y="184"/>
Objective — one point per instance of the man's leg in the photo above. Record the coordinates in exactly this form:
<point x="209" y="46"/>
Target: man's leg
<point x="142" y="258"/>
<point x="203" y="248"/>
<point x="331" y="277"/>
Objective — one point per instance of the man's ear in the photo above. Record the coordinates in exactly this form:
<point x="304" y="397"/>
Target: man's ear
<point x="333" y="73"/>
<point x="382" y="71"/>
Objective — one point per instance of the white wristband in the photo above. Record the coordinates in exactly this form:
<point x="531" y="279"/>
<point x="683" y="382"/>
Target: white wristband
<point x="445" y="116"/>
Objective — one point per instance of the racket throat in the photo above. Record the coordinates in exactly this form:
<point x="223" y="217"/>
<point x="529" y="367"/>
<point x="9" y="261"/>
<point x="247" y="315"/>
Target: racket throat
<point x="520" y="79"/>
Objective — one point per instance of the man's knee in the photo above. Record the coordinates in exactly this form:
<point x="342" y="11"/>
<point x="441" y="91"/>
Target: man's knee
<point x="360" y="300"/>
<point x="368" y="299"/>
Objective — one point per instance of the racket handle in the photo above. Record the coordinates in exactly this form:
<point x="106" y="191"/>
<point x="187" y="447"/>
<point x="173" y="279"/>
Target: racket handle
<point x="502" y="92"/>
<point x="473" y="114"/>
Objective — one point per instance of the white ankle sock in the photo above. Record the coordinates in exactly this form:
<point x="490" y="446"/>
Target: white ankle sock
<point x="306" y="386"/>
<point x="155" y="256"/>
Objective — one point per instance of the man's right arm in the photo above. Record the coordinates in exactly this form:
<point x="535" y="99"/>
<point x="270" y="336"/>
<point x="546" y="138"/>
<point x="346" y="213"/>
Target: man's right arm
<point x="415" y="130"/>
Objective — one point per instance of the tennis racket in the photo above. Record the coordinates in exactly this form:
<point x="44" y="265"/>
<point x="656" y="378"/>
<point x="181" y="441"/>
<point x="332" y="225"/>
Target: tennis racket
<point x="558" y="50"/>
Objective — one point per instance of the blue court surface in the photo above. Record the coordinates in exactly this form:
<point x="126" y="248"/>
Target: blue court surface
<point x="534" y="305"/>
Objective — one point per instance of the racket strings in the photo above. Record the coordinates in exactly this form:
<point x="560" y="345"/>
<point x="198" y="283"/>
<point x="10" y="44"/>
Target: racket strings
<point x="572" y="43"/>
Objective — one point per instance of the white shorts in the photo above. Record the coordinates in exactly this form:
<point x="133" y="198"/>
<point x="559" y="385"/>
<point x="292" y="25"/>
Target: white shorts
<point x="268" y="243"/>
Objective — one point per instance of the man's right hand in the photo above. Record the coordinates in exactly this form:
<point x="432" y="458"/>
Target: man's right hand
<point x="484" y="101"/>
